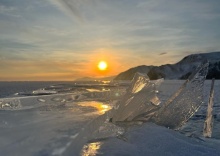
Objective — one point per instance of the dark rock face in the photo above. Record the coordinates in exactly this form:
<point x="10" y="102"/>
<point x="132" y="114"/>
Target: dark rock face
<point x="180" y="70"/>
<point x="214" y="70"/>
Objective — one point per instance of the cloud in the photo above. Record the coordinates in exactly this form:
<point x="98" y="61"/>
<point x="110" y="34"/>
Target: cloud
<point x="6" y="9"/>
<point x="9" y="11"/>
<point x="70" y="7"/>
<point x="163" y="53"/>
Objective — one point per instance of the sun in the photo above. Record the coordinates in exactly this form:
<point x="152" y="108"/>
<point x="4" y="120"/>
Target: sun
<point x="102" y="65"/>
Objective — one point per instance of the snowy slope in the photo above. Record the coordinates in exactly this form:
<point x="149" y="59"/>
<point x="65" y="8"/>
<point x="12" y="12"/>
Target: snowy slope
<point x="180" y="70"/>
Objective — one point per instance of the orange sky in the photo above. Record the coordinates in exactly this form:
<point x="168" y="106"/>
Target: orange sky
<point x="60" y="66"/>
<point x="52" y="40"/>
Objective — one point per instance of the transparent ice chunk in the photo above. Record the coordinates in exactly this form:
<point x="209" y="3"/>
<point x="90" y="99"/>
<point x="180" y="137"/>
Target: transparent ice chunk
<point x="139" y="100"/>
<point x="185" y="102"/>
<point x="208" y="125"/>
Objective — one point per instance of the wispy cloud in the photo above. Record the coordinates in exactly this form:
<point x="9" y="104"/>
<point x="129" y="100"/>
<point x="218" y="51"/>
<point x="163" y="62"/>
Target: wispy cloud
<point x="71" y="7"/>
<point x="9" y="11"/>
<point x="163" y="53"/>
<point x="6" y="9"/>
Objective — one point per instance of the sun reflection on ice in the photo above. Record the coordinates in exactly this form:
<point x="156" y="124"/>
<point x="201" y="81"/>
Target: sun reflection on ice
<point x="91" y="149"/>
<point x="101" y="107"/>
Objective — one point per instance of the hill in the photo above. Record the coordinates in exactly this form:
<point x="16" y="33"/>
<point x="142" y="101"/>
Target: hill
<point x="179" y="70"/>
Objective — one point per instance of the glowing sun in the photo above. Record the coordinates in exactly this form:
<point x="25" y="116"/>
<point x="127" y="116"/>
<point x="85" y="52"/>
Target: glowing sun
<point x="102" y="65"/>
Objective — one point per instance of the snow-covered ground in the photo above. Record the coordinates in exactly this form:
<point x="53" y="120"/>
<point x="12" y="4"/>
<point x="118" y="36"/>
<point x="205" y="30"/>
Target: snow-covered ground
<point x="48" y="124"/>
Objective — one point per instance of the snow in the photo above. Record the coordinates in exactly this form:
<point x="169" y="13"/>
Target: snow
<point x="151" y="140"/>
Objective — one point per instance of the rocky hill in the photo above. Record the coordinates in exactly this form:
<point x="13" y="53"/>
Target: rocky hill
<point x="180" y="70"/>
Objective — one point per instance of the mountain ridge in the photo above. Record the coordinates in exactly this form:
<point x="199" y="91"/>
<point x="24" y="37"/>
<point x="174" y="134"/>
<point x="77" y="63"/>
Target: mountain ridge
<point x="179" y="70"/>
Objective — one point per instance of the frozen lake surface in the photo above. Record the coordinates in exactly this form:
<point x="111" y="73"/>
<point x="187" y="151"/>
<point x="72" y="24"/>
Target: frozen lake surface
<point x="47" y="121"/>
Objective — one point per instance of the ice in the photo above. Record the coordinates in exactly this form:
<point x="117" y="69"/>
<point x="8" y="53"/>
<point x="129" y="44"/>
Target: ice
<point x="43" y="91"/>
<point x="87" y="133"/>
<point x="107" y="95"/>
<point x="185" y="102"/>
<point x="10" y="104"/>
<point x="62" y="126"/>
<point x="207" y="131"/>
<point x="55" y="100"/>
<point x="43" y="125"/>
<point x="140" y="102"/>
<point x="140" y="99"/>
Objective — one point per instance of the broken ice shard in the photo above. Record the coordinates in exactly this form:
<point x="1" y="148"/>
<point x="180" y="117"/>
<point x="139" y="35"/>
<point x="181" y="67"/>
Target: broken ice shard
<point x="10" y="104"/>
<point x="139" y="100"/>
<point x="207" y="131"/>
<point x="185" y="102"/>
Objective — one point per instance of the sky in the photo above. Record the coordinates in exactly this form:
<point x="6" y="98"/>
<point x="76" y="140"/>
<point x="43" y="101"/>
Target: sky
<point x="62" y="40"/>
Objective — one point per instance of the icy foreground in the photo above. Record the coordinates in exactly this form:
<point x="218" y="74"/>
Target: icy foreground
<point x="155" y="140"/>
<point x="140" y="104"/>
<point x="61" y="124"/>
